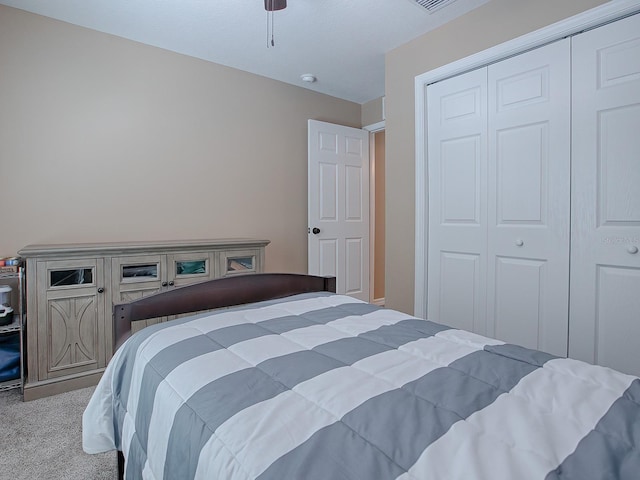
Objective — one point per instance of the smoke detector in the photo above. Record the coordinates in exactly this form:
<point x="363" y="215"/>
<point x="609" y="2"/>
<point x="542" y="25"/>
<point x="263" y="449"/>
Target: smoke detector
<point x="432" y="5"/>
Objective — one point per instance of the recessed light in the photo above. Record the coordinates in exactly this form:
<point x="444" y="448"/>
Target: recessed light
<point x="308" y="77"/>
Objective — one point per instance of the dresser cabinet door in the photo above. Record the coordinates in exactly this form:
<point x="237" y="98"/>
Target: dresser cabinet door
<point x="134" y="277"/>
<point x="71" y="321"/>
<point x="238" y="262"/>
<point x="191" y="267"/>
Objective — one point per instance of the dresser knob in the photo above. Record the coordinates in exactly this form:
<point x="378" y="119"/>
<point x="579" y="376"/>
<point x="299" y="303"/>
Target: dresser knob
<point x="519" y="242"/>
<point x="632" y="249"/>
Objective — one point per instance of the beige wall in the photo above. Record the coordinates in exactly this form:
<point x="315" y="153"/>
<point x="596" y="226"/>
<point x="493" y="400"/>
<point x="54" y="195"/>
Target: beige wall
<point x="372" y="112"/>
<point x="495" y="22"/>
<point x="104" y="139"/>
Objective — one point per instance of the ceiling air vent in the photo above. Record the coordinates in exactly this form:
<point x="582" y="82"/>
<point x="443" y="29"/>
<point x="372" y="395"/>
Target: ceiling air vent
<point x="432" y="5"/>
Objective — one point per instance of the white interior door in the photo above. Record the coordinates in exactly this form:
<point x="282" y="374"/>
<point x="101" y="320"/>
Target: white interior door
<point x="529" y="198"/>
<point x="339" y="206"/>
<point x="457" y="152"/>
<point x="605" y="261"/>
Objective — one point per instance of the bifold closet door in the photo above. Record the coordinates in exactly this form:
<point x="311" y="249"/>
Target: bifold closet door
<point x="605" y="257"/>
<point x="499" y="183"/>
<point x="529" y="198"/>
<point x="457" y="169"/>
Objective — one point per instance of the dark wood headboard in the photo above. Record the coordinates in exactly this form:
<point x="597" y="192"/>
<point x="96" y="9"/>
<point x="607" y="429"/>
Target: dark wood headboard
<point x="212" y="294"/>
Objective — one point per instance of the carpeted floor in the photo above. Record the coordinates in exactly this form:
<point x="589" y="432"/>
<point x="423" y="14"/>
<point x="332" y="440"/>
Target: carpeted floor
<point x="42" y="439"/>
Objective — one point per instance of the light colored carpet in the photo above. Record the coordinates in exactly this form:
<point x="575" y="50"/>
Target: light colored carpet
<point x="42" y="439"/>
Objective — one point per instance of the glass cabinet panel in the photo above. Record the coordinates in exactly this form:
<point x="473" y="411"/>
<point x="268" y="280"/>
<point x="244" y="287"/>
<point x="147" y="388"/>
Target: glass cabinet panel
<point x="191" y="267"/>
<point x="240" y="264"/>
<point x="146" y="272"/>
<point x="76" y="276"/>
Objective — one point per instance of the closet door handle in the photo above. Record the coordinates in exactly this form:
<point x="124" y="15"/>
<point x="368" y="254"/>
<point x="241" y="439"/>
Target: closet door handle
<point x="519" y="242"/>
<point x="632" y="249"/>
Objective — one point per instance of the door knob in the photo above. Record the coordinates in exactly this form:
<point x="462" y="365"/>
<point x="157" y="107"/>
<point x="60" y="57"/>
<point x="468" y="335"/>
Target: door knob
<point x="519" y="242"/>
<point x="632" y="249"/>
<point x="315" y="230"/>
<point x="100" y="290"/>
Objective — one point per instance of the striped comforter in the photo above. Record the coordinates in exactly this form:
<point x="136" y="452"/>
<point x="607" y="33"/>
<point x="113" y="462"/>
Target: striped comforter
<point x="323" y="386"/>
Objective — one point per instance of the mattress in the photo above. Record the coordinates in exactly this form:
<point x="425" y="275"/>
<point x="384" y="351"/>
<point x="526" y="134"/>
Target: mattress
<point x="324" y="386"/>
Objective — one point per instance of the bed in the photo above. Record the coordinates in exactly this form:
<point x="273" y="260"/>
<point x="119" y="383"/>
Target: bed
<point x="287" y="380"/>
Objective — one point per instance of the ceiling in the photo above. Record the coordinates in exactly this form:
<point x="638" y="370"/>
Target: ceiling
<point x="341" y="42"/>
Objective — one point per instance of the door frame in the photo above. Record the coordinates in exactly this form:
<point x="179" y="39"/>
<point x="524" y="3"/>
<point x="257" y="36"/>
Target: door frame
<point x="372" y="129"/>
<point x="592" y="18"/>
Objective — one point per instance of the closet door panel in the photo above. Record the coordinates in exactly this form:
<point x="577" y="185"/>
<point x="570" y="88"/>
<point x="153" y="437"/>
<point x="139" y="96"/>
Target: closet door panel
<point x="605" y="261"/>
<point x="618" y="131"/>
<point x="459" y="283"/>
<point x="521" y="163"/>
<point x="617" y="322"/>
<point x="528" y="198"/>
<point x="457" y="201"/>
<point x="525" y="303"/>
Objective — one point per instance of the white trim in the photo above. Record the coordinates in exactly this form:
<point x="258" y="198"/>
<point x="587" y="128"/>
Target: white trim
<point x="591" y="18"/>
<point x="375" y="127"/>
<point x="372" y="212"/>
<point x="378" y="301"/>
<point x="422" y="207"/>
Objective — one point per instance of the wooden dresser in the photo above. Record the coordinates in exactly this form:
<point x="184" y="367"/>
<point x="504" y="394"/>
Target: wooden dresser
<point x="71" y="290"/>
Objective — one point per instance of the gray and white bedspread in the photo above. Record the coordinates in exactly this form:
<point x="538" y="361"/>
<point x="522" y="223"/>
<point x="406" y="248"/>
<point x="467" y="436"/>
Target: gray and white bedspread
<point x="323" y="386"/>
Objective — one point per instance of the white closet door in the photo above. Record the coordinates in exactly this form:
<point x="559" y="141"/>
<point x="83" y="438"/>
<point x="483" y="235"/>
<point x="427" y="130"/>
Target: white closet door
<point x="605" y="261"/>
<point x="457" y="169"/>
<point x="528" y="198"/>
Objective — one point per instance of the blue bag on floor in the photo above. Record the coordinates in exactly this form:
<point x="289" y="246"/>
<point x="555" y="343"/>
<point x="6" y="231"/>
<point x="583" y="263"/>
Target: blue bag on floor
<point x="9" y="357"/>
